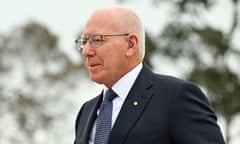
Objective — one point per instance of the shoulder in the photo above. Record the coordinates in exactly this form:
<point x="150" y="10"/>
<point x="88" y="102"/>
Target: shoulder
<point x="174" y="82"/>
<point x="147" y="74"/>
<point x="169" y="85"/>
<point x="177" y="86"/>
<point x="148" y="78"/>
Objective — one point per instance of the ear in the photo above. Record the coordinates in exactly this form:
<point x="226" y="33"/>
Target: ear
<point x="132" y="44"/>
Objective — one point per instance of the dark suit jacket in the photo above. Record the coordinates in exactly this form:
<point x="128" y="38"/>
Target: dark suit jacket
<point x="169" y="111"/>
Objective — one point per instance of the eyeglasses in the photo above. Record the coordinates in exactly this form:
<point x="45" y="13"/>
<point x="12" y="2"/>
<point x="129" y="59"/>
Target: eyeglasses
<point x="94" y="41"/>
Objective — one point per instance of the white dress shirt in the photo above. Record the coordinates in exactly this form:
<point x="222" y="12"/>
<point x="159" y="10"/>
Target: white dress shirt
<point x="121" y="88"/>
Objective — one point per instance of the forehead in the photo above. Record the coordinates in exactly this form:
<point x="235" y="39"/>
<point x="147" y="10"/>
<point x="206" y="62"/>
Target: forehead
<point x="101" y="23"/>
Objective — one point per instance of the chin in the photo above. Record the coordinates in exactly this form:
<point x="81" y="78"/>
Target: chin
<point x="100" y="78"/>
<point x="96" y="78"/>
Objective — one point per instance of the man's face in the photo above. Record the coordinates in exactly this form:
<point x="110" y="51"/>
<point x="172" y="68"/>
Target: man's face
<point x="107" y="63"/>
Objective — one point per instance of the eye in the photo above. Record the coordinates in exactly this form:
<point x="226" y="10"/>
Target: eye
<point x="96" y="38"/>
<point x="84" y="41"/>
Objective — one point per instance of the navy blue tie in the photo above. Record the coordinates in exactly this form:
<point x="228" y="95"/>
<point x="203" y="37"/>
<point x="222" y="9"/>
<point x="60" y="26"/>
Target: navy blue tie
<point x="104" y="120"/>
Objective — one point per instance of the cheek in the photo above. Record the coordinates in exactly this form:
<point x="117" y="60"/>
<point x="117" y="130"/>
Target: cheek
<point x="113" y="62"/>
<point x="115" y="56"/>
<point x="117" y="64"/>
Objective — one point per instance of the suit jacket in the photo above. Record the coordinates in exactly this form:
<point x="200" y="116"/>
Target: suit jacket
<point x="169" y="111"/>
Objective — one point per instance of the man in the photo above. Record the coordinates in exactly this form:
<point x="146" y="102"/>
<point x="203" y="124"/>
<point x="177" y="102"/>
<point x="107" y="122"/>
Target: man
<point x="148" y="108"/>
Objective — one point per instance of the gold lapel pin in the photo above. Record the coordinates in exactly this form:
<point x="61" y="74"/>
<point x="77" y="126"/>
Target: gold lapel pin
<point x="135" y="103"/>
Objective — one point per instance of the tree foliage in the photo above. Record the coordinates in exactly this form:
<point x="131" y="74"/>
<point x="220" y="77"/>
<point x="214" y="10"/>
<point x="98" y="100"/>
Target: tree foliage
<point x="34" y="75"/>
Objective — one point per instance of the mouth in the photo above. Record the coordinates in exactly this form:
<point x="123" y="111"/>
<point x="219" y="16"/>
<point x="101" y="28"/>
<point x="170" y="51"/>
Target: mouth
<point x="94" y="67"/>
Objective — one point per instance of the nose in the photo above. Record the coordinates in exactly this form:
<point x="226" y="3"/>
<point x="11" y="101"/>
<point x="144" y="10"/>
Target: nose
<point x="88" y="51"/>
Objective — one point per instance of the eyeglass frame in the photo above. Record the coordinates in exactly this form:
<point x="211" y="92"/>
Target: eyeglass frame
<point x="80" y="44"/>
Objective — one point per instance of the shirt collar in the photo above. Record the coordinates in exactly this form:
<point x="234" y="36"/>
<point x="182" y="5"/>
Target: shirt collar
<point x="123" y="86"/>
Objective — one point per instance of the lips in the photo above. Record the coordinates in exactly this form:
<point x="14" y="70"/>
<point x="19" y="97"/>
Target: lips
<point x="94" y="66"/>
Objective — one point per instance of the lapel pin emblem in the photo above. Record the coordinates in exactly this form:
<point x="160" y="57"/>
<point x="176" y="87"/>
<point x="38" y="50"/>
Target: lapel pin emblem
<point x="135" y="103"/>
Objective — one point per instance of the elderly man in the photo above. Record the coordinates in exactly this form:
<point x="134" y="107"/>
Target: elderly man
<point x="137" y="106"/>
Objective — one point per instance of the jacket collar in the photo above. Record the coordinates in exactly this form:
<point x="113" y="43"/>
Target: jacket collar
<point x="136" y="102"/>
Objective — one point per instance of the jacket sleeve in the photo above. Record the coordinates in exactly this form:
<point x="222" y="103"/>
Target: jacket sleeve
<point x="192" y="119"/>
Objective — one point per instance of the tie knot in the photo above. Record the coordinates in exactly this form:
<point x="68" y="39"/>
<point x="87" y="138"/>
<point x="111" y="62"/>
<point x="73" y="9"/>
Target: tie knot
<point x="110" y="95"/>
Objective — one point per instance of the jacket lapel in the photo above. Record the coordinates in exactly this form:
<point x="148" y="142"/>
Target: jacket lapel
<point x="136" y="102"/>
